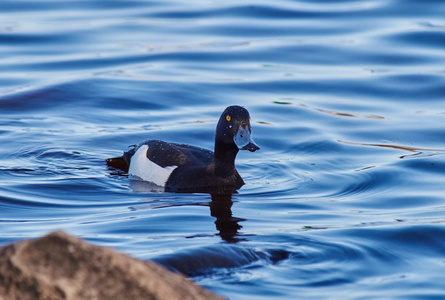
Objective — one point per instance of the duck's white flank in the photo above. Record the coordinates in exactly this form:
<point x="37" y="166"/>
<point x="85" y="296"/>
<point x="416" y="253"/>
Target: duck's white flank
<point x="147" y="170"/>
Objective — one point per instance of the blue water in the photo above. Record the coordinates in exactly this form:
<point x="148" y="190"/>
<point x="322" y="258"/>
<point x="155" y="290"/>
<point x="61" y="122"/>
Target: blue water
<point x="345" y="199"/>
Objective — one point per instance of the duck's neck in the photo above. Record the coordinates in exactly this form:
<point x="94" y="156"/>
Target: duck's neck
<point x="224" y="159"/>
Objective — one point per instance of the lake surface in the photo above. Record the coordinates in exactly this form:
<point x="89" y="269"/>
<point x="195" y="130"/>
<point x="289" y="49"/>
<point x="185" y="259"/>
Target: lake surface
<point x="345" y="199"/>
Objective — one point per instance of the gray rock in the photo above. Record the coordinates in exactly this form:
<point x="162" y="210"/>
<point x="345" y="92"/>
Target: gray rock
<point x="60" y="266"/>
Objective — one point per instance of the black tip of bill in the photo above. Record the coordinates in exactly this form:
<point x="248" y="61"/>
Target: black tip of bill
<point x="252" y="147"/>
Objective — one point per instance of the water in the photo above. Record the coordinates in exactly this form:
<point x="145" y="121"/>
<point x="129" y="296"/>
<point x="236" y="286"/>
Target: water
<point x="345" y="199"/>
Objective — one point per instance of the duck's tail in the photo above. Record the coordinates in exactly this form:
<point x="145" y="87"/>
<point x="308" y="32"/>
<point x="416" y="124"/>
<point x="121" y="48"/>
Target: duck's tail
<point x="118" y="163"/>
<point x="121" y="162"/>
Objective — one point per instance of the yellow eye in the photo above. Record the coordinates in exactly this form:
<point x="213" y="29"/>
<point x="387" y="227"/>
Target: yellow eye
<point x="249" y="118"/>
<point x="228" y="118"/>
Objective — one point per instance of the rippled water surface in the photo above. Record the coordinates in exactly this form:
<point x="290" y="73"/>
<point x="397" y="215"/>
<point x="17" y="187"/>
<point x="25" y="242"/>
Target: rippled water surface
<point x="345" y="199"/>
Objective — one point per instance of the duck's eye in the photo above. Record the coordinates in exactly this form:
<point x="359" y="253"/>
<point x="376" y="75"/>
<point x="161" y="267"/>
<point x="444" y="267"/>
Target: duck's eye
<point x="228" y="118"/>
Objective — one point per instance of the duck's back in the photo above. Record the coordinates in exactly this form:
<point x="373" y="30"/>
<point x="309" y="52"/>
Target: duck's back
<point x="171" y="154"/>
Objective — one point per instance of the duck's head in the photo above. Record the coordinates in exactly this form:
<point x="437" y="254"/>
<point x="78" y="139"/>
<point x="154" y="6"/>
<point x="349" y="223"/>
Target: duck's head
<point x="234" y="129"/>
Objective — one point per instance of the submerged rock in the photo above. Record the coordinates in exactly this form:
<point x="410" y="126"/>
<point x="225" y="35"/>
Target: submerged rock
<point x="60" y="266"/>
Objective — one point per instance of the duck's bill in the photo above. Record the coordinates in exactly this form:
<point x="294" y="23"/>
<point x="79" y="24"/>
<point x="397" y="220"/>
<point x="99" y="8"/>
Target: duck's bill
<point x="252" y="147"/>
<point x="244" y="141"/>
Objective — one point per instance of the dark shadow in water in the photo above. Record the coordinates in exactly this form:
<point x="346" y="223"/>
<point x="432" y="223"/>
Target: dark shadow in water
<point x="226" y="224"/>
<point x="205" y="260"/>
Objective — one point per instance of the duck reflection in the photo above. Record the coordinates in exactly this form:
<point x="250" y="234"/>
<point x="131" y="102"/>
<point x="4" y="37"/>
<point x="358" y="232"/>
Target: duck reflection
<point x="220" y="207"/>
<point x="226" y="224"/>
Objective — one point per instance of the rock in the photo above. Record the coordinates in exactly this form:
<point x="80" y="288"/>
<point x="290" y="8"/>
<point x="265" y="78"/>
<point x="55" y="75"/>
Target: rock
<point x="60" y="266"/>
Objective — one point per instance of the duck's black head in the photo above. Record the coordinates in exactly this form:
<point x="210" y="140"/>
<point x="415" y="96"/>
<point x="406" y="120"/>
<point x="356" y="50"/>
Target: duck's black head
<point x="233" y="132"/>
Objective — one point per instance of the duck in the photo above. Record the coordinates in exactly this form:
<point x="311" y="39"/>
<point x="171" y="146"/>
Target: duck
<point x="186" y="168"/>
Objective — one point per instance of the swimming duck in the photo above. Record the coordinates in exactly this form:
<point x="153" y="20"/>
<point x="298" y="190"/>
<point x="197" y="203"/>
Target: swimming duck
<point x="186" y="168"/>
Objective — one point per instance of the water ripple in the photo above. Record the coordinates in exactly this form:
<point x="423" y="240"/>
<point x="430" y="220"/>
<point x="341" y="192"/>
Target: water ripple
<point x="346" y="100"/>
